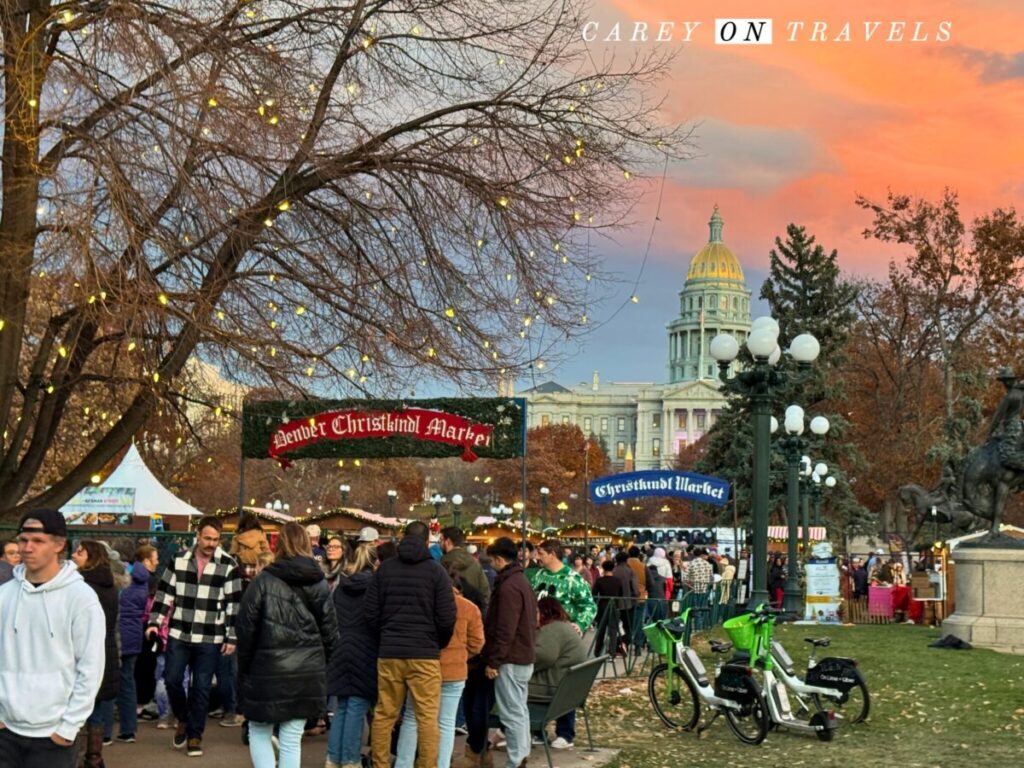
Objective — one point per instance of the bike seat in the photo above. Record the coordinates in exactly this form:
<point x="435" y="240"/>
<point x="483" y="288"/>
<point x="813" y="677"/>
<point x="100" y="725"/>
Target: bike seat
<point x="817" y="642"/>
<point x="676" y="626"/>
<point x="720" y="647"/>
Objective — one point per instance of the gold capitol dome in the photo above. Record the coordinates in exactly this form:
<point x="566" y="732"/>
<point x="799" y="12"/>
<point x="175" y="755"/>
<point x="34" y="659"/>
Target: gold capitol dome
<point x="715" y="262"/>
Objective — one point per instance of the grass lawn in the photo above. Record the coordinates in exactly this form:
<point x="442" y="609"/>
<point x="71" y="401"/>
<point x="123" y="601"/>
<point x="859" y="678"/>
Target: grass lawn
<point x="929" y="707"/>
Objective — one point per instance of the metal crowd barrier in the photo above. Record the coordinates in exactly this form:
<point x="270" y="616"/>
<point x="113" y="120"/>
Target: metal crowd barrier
<point x="619" y="633"/>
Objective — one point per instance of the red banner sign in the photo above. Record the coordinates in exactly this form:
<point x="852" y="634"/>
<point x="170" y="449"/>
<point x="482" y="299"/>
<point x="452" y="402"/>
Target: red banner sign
<point x="418" y="423"/>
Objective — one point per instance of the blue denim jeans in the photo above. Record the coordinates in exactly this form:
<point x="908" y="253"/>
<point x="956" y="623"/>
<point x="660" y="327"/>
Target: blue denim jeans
<point x="345" y="741"/>
<point x="163" y="704"/>
<point x="103" y="714"/>
<point x="227" y="674"/>
<point x="565" y="726"/>
<point x="478" y="699"/>
<point x="126" y="698"/>
<point x="30" y="752"/>
<point x="510" y="690"/>
<point x="289" y="739"/>
<point x="451" y="697"/>
<point x="201" y="658"/>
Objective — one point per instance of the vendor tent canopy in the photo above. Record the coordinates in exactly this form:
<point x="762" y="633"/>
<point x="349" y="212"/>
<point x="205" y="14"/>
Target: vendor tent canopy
<point x="151" y="498"/>
<point x="781" y="532"/>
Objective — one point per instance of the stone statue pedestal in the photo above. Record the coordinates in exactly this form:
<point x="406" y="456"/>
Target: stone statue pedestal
<point x="989" y="598"/>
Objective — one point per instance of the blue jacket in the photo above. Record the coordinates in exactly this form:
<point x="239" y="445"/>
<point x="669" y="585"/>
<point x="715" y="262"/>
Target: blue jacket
<point x="133" y="605"/>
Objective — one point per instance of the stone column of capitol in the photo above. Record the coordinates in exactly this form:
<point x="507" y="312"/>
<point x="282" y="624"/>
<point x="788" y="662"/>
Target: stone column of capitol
<point x="659" y="420"/>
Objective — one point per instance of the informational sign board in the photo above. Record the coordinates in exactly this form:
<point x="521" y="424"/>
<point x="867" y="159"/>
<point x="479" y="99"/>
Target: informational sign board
<point x="101" y="505"/>
<point x="823" y="597"/>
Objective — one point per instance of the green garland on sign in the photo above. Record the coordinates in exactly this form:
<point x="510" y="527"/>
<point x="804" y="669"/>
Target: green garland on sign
<point x="507" y="415"/>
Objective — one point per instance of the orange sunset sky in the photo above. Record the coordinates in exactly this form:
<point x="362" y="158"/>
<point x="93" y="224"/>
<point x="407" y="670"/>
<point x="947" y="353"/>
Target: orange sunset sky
<point x="793" y="131"/>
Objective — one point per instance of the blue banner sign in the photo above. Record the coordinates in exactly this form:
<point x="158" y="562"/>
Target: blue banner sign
<point x="658" y="482"/>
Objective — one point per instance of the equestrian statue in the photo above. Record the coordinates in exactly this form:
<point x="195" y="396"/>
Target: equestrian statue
<point x="988" y="474"/>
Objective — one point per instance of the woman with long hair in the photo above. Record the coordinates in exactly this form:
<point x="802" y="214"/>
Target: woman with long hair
<point x="286" y="631"/>
<point x="352" y="676"/>
<point x="94" y="564"/>
<point x="334" y="560"/>
<point x="559" y="646"/>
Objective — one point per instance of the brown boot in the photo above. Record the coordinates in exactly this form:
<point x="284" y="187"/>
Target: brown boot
<point x="94" y="746"/>
<point x="469" y="759"/>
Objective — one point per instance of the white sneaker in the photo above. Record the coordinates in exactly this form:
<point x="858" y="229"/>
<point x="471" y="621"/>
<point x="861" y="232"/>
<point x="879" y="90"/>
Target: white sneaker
<point x="560" y="743"/>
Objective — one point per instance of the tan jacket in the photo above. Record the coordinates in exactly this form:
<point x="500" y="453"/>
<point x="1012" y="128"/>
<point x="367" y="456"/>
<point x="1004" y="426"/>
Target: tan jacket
<point x="641" y="575"/>
<point x="467" y="640"/>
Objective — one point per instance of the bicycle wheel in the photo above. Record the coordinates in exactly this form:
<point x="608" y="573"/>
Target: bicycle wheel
<point x="852" y="708"/>
<point x="677" y="705"/>
<point x="750" y="723"/>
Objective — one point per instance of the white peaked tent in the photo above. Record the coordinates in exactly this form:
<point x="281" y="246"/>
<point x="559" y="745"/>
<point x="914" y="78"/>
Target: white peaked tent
<point x="151" y="498"/>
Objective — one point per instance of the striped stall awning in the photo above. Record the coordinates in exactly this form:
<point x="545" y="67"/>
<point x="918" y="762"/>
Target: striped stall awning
<point x="781" y="532"/>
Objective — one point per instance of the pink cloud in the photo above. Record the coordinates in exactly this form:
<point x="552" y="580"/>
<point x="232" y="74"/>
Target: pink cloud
<point x="818" y="123"/>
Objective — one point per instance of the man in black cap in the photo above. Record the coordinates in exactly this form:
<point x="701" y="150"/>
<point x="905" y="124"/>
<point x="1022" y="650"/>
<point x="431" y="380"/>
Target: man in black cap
<point x="52" y="633"/>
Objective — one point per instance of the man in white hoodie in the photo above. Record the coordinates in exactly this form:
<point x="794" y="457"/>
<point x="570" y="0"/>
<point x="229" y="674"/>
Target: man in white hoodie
<point x="52" y="634"/>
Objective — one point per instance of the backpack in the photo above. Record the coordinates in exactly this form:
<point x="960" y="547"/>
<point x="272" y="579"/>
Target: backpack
<point x="655" y="583"/>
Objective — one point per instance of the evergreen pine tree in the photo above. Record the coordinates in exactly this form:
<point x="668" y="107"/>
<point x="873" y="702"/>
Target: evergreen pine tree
<point x="806" y="294"/>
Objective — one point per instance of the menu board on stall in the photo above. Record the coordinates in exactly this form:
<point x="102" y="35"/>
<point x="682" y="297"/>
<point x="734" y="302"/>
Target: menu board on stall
<point x="823" y="599"/>
<point x="101" y="505"/>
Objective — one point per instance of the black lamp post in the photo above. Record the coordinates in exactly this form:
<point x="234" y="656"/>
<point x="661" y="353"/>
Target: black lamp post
<point x="818" y="477"/>
<point x="793" y="447"/>
<point x="392" y="496"/>
<point x="437" y="500"/>
<point x="456" y="511"/>
<point x="544" y="491"/>
<point x="758" y="383"/>
<point x="344" y="488"/>
<point x="805" y="499"/>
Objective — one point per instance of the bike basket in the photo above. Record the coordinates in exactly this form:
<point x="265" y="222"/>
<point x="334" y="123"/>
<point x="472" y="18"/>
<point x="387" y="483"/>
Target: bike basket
<point x="658" y="639"/>
<point x="741" y="630"/>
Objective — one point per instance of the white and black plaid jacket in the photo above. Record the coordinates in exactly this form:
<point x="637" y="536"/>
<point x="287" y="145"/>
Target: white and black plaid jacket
<point x="204" y="605"/>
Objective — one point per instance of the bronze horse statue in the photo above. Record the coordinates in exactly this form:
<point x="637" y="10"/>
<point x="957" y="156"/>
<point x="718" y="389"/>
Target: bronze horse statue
<point x="947" y="510"/>
<point x="987" y="482"/>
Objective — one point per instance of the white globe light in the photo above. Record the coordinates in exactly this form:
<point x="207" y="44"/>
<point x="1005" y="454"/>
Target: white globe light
<point x="821" y="469"/>
<point x="457" y="499"/>
<point x="819" y="425"/>
<point x="775" y="356"/>
<point x="804" y="348"/>
<point x="830" y="481"/>
<point x="724" y="348"/>
<point x="762" y="342"/>
<point x="767" y="322"/>
<point x="805" y="465"/>
<point x="794" y="422"/>
<point x="774" y="425"/>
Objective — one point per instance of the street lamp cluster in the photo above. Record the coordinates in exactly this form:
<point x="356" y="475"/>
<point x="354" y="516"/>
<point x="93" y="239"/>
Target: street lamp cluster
<point x="758" y="382"/>
<point x="793" y="446"/>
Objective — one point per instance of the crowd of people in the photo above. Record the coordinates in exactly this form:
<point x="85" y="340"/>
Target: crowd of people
<point x="407" y="642"/>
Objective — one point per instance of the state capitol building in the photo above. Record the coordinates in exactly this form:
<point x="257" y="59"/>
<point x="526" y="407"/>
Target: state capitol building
<point x="650" y="422"/>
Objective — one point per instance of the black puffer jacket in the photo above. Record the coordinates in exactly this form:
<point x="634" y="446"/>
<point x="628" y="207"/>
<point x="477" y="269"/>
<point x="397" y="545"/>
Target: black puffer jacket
<point x="286" y="631"/>
<point x="410" y="604"/>
<point x="353" y="668"/>
<point x="101" y="579"/>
